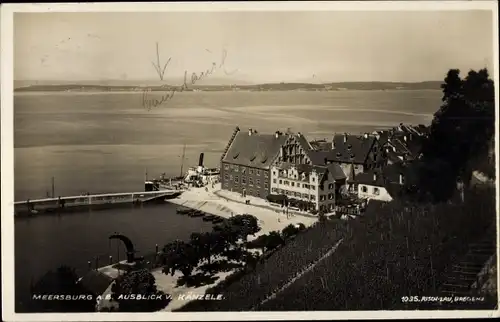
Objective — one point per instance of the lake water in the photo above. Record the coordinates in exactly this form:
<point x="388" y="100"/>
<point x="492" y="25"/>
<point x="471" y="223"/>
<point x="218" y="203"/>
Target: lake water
<point x="105" y="142"/>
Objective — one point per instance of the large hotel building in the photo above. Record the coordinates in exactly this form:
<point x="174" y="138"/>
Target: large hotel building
<point x="288" y="164"/>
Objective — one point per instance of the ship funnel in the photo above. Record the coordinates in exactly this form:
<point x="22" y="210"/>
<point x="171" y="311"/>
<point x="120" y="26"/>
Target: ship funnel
<point x="200" y="162"/>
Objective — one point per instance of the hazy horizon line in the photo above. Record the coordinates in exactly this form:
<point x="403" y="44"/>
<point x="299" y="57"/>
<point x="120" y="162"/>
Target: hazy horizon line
<point x="252" y="82"/>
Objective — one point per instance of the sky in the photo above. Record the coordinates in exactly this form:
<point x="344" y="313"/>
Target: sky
<point x="327" y="46"/>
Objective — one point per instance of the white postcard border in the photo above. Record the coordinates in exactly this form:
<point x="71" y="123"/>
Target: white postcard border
<point x="7" y="156"/>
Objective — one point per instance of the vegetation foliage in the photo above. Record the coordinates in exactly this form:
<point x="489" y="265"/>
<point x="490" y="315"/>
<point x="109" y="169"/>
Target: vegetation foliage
<point x="138" y="282"/>
<point x="62" y="281"/>
<point x="460" y="137"/>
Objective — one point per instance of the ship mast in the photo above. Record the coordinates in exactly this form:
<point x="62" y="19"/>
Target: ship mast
<point x="183" y="155"/>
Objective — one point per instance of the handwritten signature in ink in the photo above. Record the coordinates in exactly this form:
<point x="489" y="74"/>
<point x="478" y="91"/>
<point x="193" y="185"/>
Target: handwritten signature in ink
<point x="168" y="90"/>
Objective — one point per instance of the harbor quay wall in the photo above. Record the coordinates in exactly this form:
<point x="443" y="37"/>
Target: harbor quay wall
<point x="90" y="202"/>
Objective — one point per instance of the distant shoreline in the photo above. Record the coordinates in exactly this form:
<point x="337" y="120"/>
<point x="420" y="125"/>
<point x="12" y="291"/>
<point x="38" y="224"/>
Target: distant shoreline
<point x="330" y="87"/>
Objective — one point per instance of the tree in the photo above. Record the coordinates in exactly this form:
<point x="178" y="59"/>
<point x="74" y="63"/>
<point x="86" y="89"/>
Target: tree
<point x="245" y="225"/>
<point x="289" y="231"/>
<point x="132" y="284"/>
<point x="459" y="134"/>
<point x="179" y="256"/>
<point x="207" y="244"/>
<point x="63" y="281"/>
<point x="273" y="240"/>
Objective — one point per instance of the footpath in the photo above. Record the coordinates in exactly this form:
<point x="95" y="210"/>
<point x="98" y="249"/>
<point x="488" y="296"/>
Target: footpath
<point x="259" y="203"/>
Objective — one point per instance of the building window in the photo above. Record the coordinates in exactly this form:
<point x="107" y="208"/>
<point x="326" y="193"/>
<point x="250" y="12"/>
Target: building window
<point x="287" y="192"/>
<point x="376" y="191"/>
<point x="286" y="182"/>
<point x="274" y="180"/>
<point x="243" y="180"/>
<point x="251" y="171"/>
<point x="305" y="186"/>
<point x="226" y="166"/>
<point x="266" y="174"/>
<point x="231" y="177"/>
<point x="293" y="184"/>
<point x="330" y="186"/>
<point x="243" y="169"/>
<point x="226" y="176"/>
<point x="313" y="197"/>
<point x="313" y="187"/>
<point x="330" y="196"/>
<point x="274" y="173"/>
<point x="258" y="172"/>
<point x="257" y="181"/>
<point x="236" y="169"/>
<point x="297" y="194"/>
<point x="266" y="185"/>
<point x="322" y="198"/>
<point x="250" y="191"/>
<point x="305" y="195"/>
<point x="250" y="180"/>
<point x="281" y="181"/>
<point x="273" y="190"/>
<point x="313" y="179"/>
<point x="236" y="179"/>
<point x="356" y="167"/>
<point x="364" y="189"/>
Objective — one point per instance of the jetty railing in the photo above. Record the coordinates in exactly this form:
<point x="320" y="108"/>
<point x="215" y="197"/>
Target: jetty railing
<point x="124" y="197"/>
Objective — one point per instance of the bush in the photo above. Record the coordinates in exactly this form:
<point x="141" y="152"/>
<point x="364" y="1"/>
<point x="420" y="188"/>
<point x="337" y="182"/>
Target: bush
<point x="140" y="282"/>
<point x="289" y="231"/>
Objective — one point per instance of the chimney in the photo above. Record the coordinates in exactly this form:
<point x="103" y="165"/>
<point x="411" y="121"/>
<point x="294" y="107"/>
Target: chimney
<point x="401" y="178"/>
<point x="276" y="134"/>
<point x="250" y="131"/>
<point x="374" y="176"/>
<point x="345" y="137"/>
<point x="333" y="144"/>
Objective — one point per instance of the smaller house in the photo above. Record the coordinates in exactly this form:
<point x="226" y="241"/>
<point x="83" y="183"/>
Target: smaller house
<point x="353" y="153"/>
<point x="383" y="185"/>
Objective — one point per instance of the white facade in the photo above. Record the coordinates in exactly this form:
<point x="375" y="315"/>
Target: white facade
<point x="304" y="187"/>
<point x="366" y="191"/>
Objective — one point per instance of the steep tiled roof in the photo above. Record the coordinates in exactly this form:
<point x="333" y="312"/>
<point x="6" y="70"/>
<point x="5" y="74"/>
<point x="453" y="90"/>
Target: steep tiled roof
<point x="347" y="149"/>
<point x="303" y="142"/>
<point x="389" y="175"/>
<point x="255" y="150"/>
<point x="336" y="171"/>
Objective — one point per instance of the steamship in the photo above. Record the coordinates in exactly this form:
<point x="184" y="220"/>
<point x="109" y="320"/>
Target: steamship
<point x="199" y="176"/>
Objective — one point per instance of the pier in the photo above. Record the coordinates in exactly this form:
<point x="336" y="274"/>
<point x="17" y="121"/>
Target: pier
<point x="32" y="207"/>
